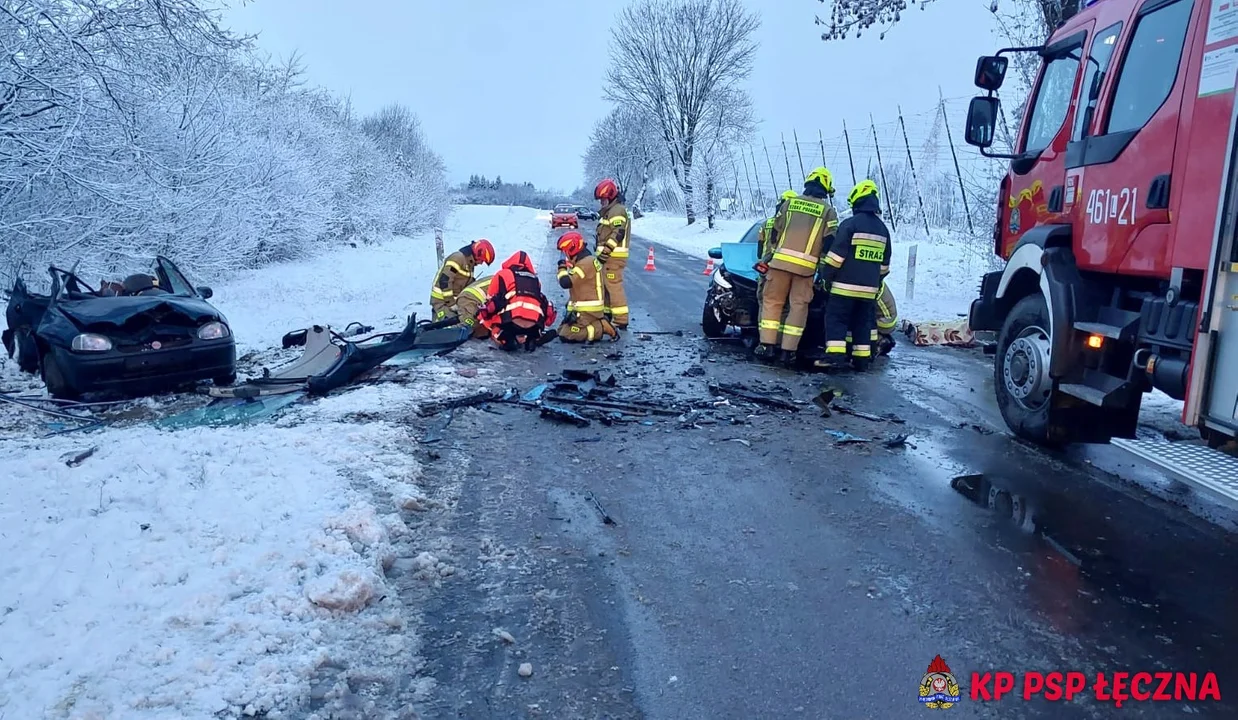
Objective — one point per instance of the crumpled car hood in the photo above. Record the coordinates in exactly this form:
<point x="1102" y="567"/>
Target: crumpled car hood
<point x="738" y="258"/>
<point x="93" y="312"/>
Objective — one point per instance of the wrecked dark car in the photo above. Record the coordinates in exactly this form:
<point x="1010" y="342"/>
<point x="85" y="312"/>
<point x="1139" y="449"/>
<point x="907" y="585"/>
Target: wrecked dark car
<point x="150" y="332"/>
<point x="731" y="300"/>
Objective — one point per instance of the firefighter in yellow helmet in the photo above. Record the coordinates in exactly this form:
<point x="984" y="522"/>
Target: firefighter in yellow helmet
<point x="802" y="229"/>
<point x="614" y="231"/>
<point x="856" y="262"/>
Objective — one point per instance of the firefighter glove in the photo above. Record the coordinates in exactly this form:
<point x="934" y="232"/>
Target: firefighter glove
<point x="571" y="317"/>
<point x="489" y="308"/>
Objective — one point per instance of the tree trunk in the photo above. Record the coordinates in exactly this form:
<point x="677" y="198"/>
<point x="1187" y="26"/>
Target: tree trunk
<point x="709" y="200"/>
<point x="644" y="185"/>
<point x="685" y="184"/>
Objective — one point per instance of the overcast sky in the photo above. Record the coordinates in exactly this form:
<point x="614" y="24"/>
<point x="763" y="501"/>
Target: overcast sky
<point x="514" y="88"/>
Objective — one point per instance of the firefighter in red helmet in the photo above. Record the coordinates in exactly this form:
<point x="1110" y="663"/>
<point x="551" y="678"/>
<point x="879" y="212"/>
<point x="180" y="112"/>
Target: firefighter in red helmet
<point x="456" y="274"/>
<point x="614" y="232"/>
<point x="580" y="274"/>
<point x="516" y="302"/>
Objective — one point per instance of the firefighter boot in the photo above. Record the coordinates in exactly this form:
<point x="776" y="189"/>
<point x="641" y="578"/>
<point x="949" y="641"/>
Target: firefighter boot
<point x="884" y="345"/>
<point x="832" y="362"/>
<point x="765" y="352"/>
<point x="789" y="358"/>
<point x="861" y="364"/>
<point x="546" y="337"/>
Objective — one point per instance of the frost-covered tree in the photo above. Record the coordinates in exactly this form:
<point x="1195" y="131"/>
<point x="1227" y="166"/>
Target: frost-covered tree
<point x="676" y="60"/>
<point x="133" y="127"/>
<point x="627" y="146"/>
<point x="844" y="17"/>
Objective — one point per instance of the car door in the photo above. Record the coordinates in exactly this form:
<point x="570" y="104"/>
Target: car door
<point x="172" y="279"/>
<point x="1037" y="177"/>
<point x="1122" y="166"/>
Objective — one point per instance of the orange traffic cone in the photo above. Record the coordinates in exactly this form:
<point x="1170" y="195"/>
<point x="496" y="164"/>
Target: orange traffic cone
<point x="709" y="267"/>
<point x="649" y="260"/>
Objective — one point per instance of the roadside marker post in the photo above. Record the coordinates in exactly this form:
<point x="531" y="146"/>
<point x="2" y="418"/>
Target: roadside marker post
<point x="911" y="272"/>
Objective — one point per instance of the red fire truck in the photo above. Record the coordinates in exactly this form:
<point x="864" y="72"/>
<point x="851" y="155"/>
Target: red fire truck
<point x="1117" y="222"/>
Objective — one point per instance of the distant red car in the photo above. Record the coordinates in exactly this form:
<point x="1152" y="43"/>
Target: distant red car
<point x="564" y="216"/>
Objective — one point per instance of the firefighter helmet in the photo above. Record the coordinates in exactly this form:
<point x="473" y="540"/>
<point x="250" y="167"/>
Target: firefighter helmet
<point x="551" y="314"/>
<point x="483" y="251"/>
<point x="863" y="190"/>
<point x="571" y="243"/>
<point x="607" y="190"/>
<point x="822" y="176"/>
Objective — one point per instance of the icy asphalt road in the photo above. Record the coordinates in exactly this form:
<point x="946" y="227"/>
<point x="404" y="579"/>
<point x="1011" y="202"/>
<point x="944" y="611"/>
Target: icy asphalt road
<point x="787" y="577"/>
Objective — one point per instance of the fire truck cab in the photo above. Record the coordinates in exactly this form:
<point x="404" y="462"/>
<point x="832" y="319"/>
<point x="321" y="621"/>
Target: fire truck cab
<point x="1117" y="221"/>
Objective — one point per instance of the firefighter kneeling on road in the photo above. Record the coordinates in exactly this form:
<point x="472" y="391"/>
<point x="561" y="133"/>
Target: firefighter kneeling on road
<point x="456" y="274"/>
<point x="613" y="233"/>
<point x="581" y="275"/>
<point x="801" y="228"/>
<point x="855" y="264"/>
<point x="517" y="312"/>
<point x="469" y="306"/>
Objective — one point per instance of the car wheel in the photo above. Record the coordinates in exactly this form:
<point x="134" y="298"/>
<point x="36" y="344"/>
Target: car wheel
<point x="54" y="377"/>
<point x="225" y="380"/>
<point x="1021" y="370"/>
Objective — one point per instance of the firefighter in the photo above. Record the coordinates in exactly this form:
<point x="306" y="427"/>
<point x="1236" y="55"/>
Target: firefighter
<point x="887" y="318"/>
<point x="856" y="262"/>
<point x="469" y="306"/>
<point x="764" y="235"/>
<point x="802" y="227"/>
<point x="581" y="274"/>
<point x="613" y="233"/>
<point x="516" y="300"/>
<point x="456" y="274"/>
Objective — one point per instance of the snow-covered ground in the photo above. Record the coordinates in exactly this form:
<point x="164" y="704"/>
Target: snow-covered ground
<point x="947" y="273"/>
<point x="204" y="573"/>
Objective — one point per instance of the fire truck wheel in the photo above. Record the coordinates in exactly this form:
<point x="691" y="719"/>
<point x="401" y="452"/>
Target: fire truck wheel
<point x="1021" y="370"/>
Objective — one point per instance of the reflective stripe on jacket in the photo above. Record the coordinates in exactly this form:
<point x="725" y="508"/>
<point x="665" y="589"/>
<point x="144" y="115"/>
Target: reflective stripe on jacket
<point x="802" y="226"/>
<point x="454" y="276"/>
<point x="858" y="258"/>
<point x="585" y="295"/>
<point x="517" y="295"/>
<point x="614" y="231"/>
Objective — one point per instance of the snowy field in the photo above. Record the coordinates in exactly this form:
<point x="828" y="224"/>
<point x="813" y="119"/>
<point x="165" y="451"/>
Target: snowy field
<point x="947" y="274"/>
<point x="217" y="573"/>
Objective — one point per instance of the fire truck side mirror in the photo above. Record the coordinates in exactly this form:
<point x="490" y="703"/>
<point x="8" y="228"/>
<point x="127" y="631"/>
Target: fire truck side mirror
<point x="981" y="121"/>
<point x="991" y="72"/>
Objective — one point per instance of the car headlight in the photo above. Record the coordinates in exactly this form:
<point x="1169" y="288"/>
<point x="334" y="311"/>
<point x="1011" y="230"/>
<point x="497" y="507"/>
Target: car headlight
<point x="214" y="330"/>
<point x="91" y="342"/>
<point x="720" y="279"/>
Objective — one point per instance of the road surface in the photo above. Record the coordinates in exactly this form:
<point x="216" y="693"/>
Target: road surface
<point x="763" y="571"/>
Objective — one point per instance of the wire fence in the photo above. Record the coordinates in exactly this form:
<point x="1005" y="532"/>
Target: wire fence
<point x="929" y="178"/>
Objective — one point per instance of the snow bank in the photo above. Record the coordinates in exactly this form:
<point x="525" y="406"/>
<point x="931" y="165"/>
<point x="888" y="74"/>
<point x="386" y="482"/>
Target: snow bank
<point x="948" y="264"/>
<point x="372" y="284"/>
<point x="183" y="574"/>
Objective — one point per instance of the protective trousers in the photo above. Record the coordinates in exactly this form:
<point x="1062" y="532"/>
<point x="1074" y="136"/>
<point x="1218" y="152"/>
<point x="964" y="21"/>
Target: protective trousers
<point x="442" y="309"/>
<point x="849" y="317"/>
<point x="615" y="297"/>
<point x="586" y="328"/>
<point x="466" y="310"/>
<point x="794" y="292"/>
